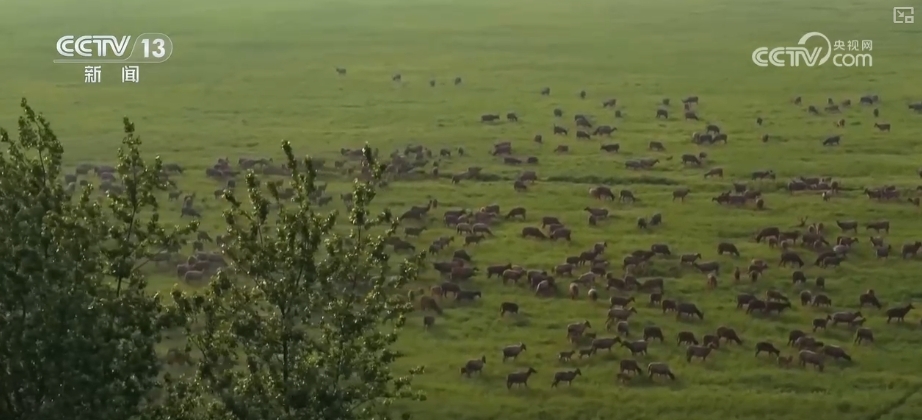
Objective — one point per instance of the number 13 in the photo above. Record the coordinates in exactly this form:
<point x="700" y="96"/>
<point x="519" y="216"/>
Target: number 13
<point x="159" y="50"/>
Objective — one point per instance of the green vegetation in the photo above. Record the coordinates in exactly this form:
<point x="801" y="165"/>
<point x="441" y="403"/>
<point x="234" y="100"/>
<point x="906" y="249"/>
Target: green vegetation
<point x="253" y="74"/>
<point x="299" y="337"/>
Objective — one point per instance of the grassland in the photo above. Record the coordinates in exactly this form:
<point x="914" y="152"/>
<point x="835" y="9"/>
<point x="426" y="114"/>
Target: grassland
<point x="246" y="74"/>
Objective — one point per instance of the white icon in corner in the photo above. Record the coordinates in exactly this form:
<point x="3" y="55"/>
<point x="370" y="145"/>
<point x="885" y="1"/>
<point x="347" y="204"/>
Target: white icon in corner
<point x="904" y="14"/>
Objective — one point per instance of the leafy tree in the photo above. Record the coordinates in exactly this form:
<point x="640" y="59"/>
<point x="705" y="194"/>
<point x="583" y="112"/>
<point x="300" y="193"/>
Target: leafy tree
<point x="78" y="328"/>
<point x="301" y="325"/>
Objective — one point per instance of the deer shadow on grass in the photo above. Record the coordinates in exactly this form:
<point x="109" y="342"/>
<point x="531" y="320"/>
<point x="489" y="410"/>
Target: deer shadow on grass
<point x="643" y="381"/>
<point x="689" y="320"/>
<point x="517" y="320"/>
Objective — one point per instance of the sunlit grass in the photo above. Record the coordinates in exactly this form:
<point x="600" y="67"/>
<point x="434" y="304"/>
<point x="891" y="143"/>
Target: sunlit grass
<point x="243" y="79"/>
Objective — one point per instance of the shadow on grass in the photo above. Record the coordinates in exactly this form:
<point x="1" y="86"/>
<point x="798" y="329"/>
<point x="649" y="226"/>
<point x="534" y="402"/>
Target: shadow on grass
<point x="438" y="332"/>
<point x="644" y="381"/>
<point x="521" y="319"/>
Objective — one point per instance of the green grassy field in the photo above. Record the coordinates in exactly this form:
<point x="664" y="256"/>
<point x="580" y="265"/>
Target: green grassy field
<point x="245" y="75"/>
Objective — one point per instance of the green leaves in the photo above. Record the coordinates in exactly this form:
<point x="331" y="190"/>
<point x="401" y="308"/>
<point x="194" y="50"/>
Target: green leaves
<point x="303" y="312"/>
<point x="299" y="326"/>
<point x="74" y="343"/>
<point x="131" y="241"/>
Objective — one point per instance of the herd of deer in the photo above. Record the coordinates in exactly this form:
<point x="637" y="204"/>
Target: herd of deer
<point x="809" y="350"/>
<point x="625" y="280"/>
